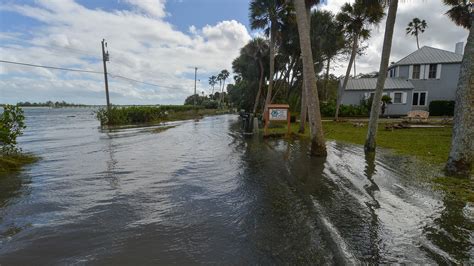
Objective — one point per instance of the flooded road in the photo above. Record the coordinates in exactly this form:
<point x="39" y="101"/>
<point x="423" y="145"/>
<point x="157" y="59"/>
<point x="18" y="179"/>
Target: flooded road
<point x="200" y="193"/>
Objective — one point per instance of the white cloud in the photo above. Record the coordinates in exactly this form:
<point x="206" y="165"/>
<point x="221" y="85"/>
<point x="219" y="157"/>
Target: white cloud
<point x="141" y="44"/>
<point x="155" y="8"/>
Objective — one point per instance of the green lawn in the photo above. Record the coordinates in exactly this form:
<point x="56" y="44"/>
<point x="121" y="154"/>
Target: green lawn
<point x="428" y="144"/>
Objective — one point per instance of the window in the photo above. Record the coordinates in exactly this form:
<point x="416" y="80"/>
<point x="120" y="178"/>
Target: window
<point x="415" y="98"/>
<point x="419" y="98"/>
<point x="416" y="71"/>
<point x="392" y="73"/>
<point x="422" y="98"/>
<point x="432" y="73"/>
<point x="397" y="97"/>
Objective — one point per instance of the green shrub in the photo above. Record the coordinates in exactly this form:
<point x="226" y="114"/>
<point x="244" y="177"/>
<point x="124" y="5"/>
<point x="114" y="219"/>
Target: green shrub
<point x="441" y="108"/>
<point x="328" y="109"/>
<point x="139" y="114"/>
<point x="11" y="126"/>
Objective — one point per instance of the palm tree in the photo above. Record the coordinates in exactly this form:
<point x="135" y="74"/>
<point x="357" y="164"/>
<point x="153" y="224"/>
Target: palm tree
<point x="267" y="14"/>
<point x="387" y="46"/>
<point x="212" y="82"/>
<point x="355" y="21"/>
<point x="257" y="48"/>
<point x="219" y="78"/>
<point x="318" y="146"/>
<point x="415" y="27"/>
<point x="222" y="77"/>
<point x="460" y="160"/>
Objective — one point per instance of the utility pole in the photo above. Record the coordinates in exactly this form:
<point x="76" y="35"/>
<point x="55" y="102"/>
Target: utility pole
<point x="195" y="78"/>
<point x="105" y="58"/>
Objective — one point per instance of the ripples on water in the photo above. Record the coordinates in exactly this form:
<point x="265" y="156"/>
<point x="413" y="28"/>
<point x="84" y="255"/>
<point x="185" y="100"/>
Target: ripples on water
<point x="201" y="193"/>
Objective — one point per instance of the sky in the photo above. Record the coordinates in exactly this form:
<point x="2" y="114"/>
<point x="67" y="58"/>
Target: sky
<point x="159" y="42"/>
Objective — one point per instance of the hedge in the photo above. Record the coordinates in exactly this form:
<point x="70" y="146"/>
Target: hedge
<point x="441" y="108"/>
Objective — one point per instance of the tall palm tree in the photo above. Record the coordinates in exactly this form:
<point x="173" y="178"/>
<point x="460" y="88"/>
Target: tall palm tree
<point x="415" y="27"/>
<point x="222" y="77"/>
<point x="355" y="21"/>
<point x="387" y="46"/>
<point x="219" y="78"/>
<point x="266" y="15"/>
<point x="318" y="146"/>
<point x="212" y="82"/>
<point x="257" y="48"/>
<point x="460" y="160"/>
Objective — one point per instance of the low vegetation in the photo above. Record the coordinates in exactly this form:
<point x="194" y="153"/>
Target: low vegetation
<point x="15" y="162"/>
<point x="132" y="115"/>
<point x="11" y="126"/>
<point x="441" y="108"/>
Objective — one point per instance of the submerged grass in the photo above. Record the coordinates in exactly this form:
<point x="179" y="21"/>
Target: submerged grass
<point x="14" y="163"/>
<point x="161" y="129"/>
<point x="428" y="145"/>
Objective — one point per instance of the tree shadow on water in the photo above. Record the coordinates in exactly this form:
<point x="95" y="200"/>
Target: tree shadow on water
<point x="12" y="186"/>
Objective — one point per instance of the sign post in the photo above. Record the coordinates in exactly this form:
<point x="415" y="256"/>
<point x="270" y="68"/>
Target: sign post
<point x="277" y="113"/>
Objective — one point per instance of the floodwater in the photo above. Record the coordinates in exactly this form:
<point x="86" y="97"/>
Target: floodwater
<point x="201" y="193"/>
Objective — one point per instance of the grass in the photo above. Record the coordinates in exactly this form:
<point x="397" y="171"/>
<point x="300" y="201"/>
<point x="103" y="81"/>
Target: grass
<point x="427" y="145"/>
<point x="462" y="189"/>
<point x="14" y="163"/>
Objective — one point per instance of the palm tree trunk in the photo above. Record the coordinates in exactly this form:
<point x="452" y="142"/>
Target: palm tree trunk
<point x="318" y="147"/>
<point x="461" y="155"/>
<point x="417" y="43"/>
<point x="355" y="63"/>
<point x="387" y="46"/>
<point x="304" y="109"/>
<point x="327" y="80"/>
<point x="222" y="92"/>
<point x="272" y="64"/>
<point x="260" y="85"/>
<point x="346" y="78"/>
<point x="220" y="95"/>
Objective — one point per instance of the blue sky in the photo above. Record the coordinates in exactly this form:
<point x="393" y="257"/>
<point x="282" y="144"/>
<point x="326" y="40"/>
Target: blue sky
<point x="182" y="13"/>
<point x="157" y="41"/>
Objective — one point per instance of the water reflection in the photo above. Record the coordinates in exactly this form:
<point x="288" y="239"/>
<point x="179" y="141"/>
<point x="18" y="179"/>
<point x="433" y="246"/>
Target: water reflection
<point x="451" y="235"/>
<point x="202" y="193"/>
<point x="12" y="186"/>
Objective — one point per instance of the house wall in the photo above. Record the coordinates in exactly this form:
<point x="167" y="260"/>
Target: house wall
<point x="438" y="89"/>
<point x="355" y="97"/>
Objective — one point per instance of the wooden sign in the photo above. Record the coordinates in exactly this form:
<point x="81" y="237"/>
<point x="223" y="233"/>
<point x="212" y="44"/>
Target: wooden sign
<point x="277" y="113"/>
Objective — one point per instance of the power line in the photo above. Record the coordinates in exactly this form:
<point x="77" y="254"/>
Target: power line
<point x="51" y="67"/>
<point x="86" y="71"/>
<point x="138" y="81"/>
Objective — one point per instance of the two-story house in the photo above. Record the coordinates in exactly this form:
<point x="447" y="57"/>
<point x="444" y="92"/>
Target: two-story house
<point x="423" y="76"/>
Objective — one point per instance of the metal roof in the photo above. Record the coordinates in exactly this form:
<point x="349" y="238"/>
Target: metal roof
<point x="369" y="84"/>
<point x="429" y="55"/>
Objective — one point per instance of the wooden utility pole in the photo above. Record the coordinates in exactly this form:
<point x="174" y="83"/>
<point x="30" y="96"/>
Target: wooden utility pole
<point x="195" y="78"/>
<point x="105" y="58"/>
